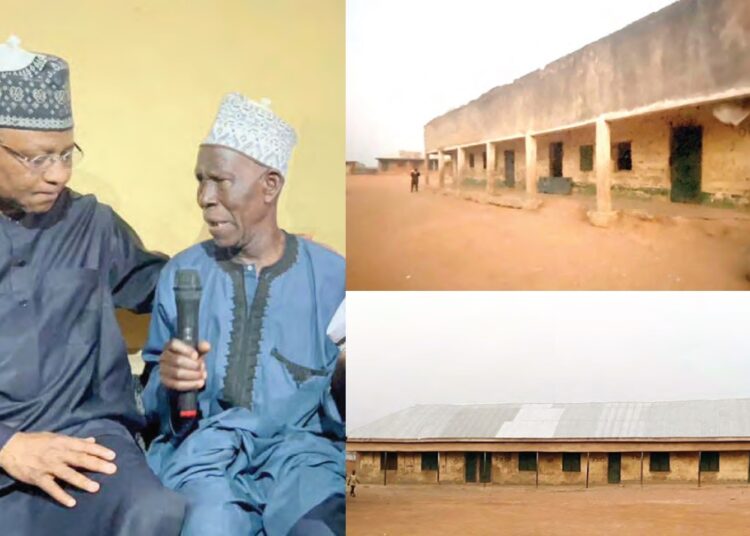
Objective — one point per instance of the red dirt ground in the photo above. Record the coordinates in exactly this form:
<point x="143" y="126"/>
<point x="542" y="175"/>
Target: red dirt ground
<point x="427" y="241"/>
<point x="662" y="510"/>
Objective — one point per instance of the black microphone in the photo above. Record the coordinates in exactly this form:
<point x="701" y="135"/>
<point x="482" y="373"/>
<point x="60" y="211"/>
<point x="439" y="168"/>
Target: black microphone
<point x="187" y="290"/>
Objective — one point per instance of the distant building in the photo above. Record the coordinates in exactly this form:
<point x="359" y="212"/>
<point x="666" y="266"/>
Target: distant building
<point x="403" y="163"/>
<point x="586" y="444"/>
<point x="661" y="106"/>
<point x="352" y="166"/>
<point x="358" y="168"/>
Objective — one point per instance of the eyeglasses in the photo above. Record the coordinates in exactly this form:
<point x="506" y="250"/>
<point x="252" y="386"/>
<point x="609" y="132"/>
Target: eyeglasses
<point x="43" y="162"/>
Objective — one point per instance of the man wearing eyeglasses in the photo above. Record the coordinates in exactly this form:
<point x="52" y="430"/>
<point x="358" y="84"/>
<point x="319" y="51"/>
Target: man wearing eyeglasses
<point x="69" y="463"/>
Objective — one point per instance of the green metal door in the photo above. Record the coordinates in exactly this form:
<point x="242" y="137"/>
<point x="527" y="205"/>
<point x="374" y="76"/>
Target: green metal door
<point x="510" y="169"/>
<point x="685" y="163"/>
<point x="485" y="467"/>
<point x="613" y="468"/>
<point x="471" y="466"/>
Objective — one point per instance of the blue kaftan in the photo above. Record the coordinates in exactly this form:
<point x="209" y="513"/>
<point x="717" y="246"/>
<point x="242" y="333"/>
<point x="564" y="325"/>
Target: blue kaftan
<point x="270" y="443"/>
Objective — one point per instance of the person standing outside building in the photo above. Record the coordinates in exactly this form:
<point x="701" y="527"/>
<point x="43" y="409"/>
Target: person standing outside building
<point x="415" y="180"/>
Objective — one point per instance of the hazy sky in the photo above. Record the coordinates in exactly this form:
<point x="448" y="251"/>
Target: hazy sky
<point x="406" y="348"/>
<point x="408" y="61"/>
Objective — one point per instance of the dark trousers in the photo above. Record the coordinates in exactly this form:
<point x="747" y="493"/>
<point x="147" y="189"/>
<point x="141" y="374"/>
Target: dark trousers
<point x="351" y="491"/>
<point x="130" y="502"/>
<point x="414" y="185"/>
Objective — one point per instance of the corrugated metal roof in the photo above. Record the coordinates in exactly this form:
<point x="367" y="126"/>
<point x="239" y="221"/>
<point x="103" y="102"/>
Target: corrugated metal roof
<point x="595" y="420"/>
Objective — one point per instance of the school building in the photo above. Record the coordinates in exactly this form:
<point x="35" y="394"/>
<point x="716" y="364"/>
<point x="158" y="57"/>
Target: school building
<point x="587" y="444"/>
<point x="661" y="107"/>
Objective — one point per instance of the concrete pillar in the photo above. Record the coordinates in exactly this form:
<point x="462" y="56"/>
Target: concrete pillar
<point x="641" y="469"/>
<point x="426" y="168"/>
<point x="460" y="165"/>
<point x="438" y="454"/>
<point x="588" y="460"/>
<point x="603" y="216"/>
<point x="441" y="169"/>
<point x="530" y="164"/>
<point x="603" y="166"/>
<point x="490" y="171"/>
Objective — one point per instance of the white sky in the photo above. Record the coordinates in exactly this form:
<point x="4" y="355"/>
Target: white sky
<point x="406" y="348"/>
<point x="408" y="61"/>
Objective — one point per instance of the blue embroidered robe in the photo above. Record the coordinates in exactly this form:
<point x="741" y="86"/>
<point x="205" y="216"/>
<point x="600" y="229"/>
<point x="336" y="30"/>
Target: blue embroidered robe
<point x="269" y="446"/>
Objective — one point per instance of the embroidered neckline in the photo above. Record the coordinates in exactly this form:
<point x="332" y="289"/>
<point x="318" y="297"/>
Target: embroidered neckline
<point x="247" y="326"/>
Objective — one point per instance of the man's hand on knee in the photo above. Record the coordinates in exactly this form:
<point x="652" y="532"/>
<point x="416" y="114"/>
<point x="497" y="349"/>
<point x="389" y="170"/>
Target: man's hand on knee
<point x="42" y="458"/>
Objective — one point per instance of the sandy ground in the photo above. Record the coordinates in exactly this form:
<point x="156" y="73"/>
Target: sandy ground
<point x="662" y="510"/>
<point x="429" y="241"/>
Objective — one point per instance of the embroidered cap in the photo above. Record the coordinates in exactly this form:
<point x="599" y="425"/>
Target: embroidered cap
<point x="34" y="89"/>
<point x="253" y="129"/>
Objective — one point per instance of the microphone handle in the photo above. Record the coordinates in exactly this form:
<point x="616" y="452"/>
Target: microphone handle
<point x="187" y="332"/>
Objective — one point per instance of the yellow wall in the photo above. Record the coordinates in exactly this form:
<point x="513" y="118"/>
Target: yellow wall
<point x="147" y="78"/>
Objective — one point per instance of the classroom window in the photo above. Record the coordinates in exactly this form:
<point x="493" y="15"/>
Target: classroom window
<point x="571" y="462"/>
<point x="624" y="157"/>
<point x="471" y="160"/>
<point x="709" y="461"/>
<point x="527" y="461"/>
<point x="659" y="462"/>
<point x="587" y="157"/>
<point x="389" y="461"/>
<point x="429" y="461"/>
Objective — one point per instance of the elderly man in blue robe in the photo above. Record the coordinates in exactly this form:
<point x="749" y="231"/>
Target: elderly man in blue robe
<point x="267" y="454"/>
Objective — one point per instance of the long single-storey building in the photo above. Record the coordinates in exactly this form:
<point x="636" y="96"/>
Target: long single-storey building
<point x="588" y="444"/>
<point x="661" y="106"/>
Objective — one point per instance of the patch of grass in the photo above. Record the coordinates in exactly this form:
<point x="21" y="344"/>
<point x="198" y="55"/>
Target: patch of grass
<point x="709" y="200"/>
<point x="630" y="191"/>
<point x="584" y="188"/>
<point x="499" y="184"/>
<point x="471" y="183"/>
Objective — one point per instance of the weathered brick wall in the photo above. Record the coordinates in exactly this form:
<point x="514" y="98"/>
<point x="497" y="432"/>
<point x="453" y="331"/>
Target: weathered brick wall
<point x="630" y="467"/>
<point x="505" y="470"/>
<point x="452" y="467"/>
<point x="733" y="467"/>
<point x="598" y="469"/>
<point x="725" y="166"/>
<point x="410" y="470"/>
<point x="683" y="467"/>
<point x="368" y="468"/>
<point x="551" y="470"/>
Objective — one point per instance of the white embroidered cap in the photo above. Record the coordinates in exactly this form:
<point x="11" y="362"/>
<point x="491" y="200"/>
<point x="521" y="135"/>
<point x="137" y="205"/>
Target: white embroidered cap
<point x="253" y="129"/>
<point x="34" y="89"/>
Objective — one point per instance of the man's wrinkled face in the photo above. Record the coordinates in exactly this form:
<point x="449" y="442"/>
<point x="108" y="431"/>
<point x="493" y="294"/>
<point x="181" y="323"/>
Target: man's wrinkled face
<point x="234" y="194"/>
<point x="26" y="189"/>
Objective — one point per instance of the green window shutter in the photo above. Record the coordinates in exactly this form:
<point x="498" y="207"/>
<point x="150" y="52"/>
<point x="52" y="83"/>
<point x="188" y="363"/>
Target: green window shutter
<point x="527" y="461"/>
<point x="429" y="461"/>
<point x="587" y="157"/>
<point x="659" y="461"/>
<point x="709" y="462"/>
<point x="571" y="462"/>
